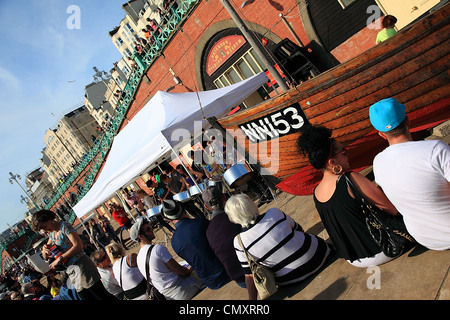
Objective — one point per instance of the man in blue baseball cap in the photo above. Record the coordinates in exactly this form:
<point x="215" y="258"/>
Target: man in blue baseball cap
<point x="414" y="175"/>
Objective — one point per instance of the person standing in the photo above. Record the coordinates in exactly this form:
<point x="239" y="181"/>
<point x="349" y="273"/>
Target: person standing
<point x="388" y="30"/>
<point x="65" y="243"/>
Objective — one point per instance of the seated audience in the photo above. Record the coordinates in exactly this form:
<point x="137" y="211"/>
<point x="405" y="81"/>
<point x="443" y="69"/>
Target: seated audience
<point x="189" y="242"/>
<point x="104" y="267"/>
<point x="414" y="175"/>
<point x="221" y="233"/>
<point x="276" y="241"/>
<point x="171" y="279"/>
<point x="339" y="211"/>
<point x="126" y="272"/>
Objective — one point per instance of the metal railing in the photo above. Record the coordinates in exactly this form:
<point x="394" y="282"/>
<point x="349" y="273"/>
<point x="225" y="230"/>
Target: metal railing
<point x="96" y="155"/>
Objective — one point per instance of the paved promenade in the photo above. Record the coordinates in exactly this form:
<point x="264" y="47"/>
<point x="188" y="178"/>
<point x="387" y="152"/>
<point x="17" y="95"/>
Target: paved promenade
<point x="419" y="274"/>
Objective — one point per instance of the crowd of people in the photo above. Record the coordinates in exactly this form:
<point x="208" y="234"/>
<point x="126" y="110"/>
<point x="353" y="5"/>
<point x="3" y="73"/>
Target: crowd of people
<point x="412" y="180"/>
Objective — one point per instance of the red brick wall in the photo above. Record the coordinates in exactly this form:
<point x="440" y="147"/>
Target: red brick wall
<point x="360" y="42"/>
<point x="205" y="15"/>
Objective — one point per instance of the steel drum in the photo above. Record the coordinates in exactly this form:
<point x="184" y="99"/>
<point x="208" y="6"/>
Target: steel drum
<point x="238" y="175"/>
<point x="194" y="190"/>
<point x="214" y="180"/>
<point x="182" y="196"/>
<point x="154" y="211"/>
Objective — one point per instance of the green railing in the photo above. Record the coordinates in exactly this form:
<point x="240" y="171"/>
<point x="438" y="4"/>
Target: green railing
<point x="97" y="154"/>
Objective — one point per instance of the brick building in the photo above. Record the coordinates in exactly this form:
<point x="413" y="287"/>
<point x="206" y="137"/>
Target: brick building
<point x="190" y="61"/>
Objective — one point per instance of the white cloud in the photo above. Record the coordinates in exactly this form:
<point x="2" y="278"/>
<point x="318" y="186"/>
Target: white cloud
<point x="9" y="80"/>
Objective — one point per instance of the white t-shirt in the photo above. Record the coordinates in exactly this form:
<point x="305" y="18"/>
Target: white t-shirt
<point x="162" y="277"/>
<point x="109" y="281"/>
<point x="415" y="176"/>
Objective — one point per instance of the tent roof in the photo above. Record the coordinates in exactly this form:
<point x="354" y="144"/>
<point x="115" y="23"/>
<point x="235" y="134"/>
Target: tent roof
<point x="148" y="136"/>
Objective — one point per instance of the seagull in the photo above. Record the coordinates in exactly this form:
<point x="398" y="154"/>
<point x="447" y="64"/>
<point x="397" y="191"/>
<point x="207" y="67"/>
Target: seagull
<point x="71" y="81"/>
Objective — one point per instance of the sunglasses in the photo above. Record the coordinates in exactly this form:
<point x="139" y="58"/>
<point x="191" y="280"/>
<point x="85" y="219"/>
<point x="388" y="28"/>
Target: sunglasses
<point x="343" y="152"/>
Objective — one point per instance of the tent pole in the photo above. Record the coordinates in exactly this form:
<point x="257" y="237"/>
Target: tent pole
<point x="182" y="163"/>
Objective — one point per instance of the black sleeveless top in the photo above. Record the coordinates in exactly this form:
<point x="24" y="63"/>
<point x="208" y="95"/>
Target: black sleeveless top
<point x="345" y="224"/>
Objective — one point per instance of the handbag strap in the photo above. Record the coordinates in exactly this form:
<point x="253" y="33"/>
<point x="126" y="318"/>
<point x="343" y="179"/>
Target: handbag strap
<point x="120" y="275"/>
<point x="250" y="258"/>
<point x="147" y="267"/>
<point x="354" y="189"/>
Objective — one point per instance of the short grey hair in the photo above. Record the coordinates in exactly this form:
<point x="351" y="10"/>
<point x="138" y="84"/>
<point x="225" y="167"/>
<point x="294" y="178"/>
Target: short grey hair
<point x="241" y="210"/>
<point x="27" y="288"/>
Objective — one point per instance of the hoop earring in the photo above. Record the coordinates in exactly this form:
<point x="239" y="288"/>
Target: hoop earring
<point x="337" y="169"/>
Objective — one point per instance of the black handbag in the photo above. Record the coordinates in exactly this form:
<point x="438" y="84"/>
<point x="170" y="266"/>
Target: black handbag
<point x="152" y="292"/>
<point x="388" y="231"/>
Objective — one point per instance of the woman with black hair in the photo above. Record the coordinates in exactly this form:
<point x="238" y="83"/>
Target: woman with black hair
<point x="340" y="212"/>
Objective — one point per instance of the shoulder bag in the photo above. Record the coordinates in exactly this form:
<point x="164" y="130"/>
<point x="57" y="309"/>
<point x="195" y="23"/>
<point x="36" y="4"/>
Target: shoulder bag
<point x="152" y="292"/>
<point x="388" y="231"/>
<point x="263" y="277"/>
<point x="136" y="291"/>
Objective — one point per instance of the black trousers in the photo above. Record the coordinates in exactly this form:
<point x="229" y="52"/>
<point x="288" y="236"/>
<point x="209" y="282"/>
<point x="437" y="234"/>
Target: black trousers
<point x="96" y="292"/>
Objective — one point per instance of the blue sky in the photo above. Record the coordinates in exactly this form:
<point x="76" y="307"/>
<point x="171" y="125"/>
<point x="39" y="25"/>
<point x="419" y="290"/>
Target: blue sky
<point x="39" y="60"/>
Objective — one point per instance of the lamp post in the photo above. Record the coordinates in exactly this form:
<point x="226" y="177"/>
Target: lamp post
<point x="13" y="178"/>
<point x="243" y="28"/>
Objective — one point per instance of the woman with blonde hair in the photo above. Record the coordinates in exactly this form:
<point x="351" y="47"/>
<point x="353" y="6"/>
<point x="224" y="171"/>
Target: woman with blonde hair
<point x="126" y="272"/>
<point x="276" y="241"/>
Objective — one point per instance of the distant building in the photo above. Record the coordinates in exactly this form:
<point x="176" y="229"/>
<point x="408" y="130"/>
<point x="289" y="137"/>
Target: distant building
<point x="96" y="102"/>
<point x="131" y="26"/>
<point x="40" y="187"/>
<point x="68" y="143"/>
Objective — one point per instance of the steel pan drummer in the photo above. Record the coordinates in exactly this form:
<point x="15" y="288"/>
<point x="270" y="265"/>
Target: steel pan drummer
<point x="176" y="184"/>
<point x="150" y="202"/>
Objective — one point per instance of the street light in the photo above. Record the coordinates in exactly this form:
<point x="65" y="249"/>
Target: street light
<point x="13" y="178"/>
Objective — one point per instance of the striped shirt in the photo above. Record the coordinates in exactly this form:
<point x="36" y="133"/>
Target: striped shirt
<point x="280" y="244"/>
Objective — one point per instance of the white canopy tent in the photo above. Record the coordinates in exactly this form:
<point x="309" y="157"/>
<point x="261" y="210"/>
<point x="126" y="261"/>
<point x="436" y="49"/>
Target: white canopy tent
<point x="145" y="139"/>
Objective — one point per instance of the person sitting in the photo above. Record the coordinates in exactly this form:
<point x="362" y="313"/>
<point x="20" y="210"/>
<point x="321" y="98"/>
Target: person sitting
<point x="414" y="175"/>
<point x="276" y="241"/>
<point x="104" y="267"/>
<point x="388" y="24"/>
<point x="126" y="272"/>
<point x="220" y="234"/>
<point x="189" y="242"/>
<point x="28" y="292"/>
<point x="339" y="211"/>
<point x="172" y="280"/>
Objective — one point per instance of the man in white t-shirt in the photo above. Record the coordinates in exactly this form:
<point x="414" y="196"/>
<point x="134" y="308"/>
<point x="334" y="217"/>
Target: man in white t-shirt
<point x="104" y="267"/>
<point x="414" y="175"/>
<point x="171" y="279"/>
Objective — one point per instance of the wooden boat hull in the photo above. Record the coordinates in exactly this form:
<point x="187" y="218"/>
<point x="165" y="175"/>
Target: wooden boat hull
<point x="412" y="66"/>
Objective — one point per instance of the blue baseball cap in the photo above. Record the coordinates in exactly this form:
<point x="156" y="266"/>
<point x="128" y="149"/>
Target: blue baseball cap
<point x="386" y="114"/>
